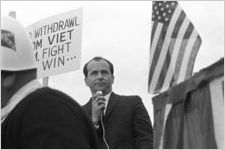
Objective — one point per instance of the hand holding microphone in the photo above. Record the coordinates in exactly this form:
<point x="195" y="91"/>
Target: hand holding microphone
<point x="100" y="99"/>
<point x="98" y="106"/>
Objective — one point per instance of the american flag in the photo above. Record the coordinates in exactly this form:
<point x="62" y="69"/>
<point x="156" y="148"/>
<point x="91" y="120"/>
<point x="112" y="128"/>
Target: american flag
<point x="174" y="46"/>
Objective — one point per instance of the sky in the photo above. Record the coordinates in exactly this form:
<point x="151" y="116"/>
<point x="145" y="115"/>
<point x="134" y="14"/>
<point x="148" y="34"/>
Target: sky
<point x="120" y="32"/>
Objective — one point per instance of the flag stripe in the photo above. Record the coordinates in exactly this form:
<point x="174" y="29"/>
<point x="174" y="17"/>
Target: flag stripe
<point x="157" y="47"/>
<point x="179" y="40"/>
<point x="165" y="47"/>
<point x="195" y="48"/>
<point x="173" y="47"/>
<point x="189" y="54"/>
<point x="164" y="71"/>
<point x="178" y="24"/>
<point x="155" y="41"/>
<point x="182" y="56"/>
<point x="154" y="28"/>
<point x="170" y="52"/>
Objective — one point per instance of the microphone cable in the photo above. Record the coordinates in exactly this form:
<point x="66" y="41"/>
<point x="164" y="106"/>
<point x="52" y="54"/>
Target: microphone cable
<point x="103" y="130"/>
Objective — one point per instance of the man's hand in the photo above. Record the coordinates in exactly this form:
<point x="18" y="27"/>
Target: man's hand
<point x="98" y="106"/>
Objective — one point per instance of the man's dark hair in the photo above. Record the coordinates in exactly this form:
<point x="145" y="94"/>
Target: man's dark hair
<point x="85" y="71"/>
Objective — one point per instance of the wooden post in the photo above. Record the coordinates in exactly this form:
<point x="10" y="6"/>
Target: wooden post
<point x="12" y="14"/>
<point x="45" y="81"/>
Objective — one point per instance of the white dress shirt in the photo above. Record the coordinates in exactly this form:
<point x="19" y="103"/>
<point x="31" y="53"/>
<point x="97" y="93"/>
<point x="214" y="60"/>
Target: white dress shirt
<point x="106" y="101"/>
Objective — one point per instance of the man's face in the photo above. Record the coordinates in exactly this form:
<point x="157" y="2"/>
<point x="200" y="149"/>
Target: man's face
<point x="99" y="77"/>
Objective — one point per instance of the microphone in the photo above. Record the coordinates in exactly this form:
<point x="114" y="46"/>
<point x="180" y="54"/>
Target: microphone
<point x="99" y="93"/>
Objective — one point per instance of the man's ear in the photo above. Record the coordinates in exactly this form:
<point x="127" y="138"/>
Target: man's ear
<point x="86" y="82"/>
<point x="112" y="79"/>
<point x="9" y="80"/>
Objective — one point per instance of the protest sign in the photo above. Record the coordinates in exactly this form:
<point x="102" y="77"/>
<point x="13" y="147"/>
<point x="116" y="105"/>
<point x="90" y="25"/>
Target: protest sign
<point x="56" y="43"/>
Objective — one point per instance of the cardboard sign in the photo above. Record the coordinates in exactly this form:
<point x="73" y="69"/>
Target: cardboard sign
<point x="56" y="43"/>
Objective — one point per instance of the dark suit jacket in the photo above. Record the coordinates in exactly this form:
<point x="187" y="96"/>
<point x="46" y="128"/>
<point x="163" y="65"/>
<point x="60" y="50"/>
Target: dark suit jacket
<point x="126" y="122"/>
<point x="48" y="118"/>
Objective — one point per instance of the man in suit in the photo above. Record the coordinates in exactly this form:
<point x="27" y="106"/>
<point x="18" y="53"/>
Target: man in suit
<point x="121" y="121"/>
<point x="32" y="116"/>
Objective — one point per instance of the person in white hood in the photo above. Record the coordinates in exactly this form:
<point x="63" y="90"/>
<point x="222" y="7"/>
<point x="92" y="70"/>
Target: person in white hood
<point x="33" y="116"/>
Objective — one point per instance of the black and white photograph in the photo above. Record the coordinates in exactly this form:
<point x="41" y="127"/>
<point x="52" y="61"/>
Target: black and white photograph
<point x="112" y="74"/>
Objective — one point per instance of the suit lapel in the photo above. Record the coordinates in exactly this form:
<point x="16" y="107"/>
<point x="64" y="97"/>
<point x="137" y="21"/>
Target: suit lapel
<point x="113" y="101"/>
